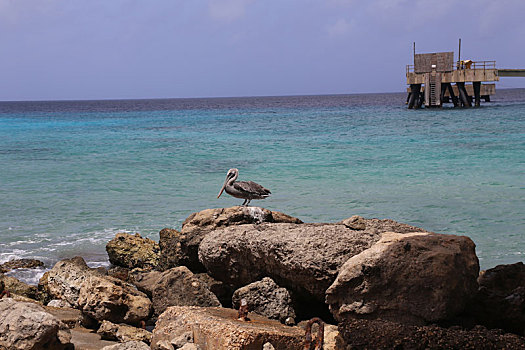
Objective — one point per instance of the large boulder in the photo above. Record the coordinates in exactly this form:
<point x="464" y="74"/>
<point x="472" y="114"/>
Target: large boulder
<point x="133" y="251"/>
<point x="179" y="287"/>
<point x="66" y="278"/>
<point x="382" y="334"/>
<point x="413" y="278"/>
<point x="500" y="302"/>
<point x="219" y="328"/>
<point x="97" y="295"/>
<point x="266" y="298"/>
<point x="304" y="258"/>
<point x="27" y="326"/>
<point x="181" y="248"/>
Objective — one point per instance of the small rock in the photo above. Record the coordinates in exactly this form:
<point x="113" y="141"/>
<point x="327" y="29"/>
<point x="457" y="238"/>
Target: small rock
<point x="182" y="340"/>
<point x="268" y="346"/>
<point x="59" y="303"/>
<point x="123" y="333"/>
<point x="189" y="346"/>
<point x="132" y="251"/>
<point x="129" y="345"/>
<point x="355" y="222"/>
<point x="266" y="298"/>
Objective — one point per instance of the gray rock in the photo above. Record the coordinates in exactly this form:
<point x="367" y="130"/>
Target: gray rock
<point x="181" y="340"/>
<point x="145" y="281"/>
<point x="355" y="223"/>
<point x="181" y="248"/>
<point x="132" y="251"/>
<point x="129" y="345"/>
<point x="266" y="298"/>
<point x="28" y="326"/>
<point x="179" y="287"/>
<point x="223" y="291"/>
<point x="414" y="278"/>
<point x="20" y="264"/>
<point x="268" y="346"/>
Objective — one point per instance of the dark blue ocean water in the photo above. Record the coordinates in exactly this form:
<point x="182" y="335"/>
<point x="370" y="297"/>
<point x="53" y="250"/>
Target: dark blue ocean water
<point x="74" y="173"/>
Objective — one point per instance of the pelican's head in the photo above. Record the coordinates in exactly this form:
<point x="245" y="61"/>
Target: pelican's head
<point x="230" y="177"/>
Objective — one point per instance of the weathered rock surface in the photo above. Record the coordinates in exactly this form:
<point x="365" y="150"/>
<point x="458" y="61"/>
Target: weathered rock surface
<point x="65" y="279"/>
<point x="59" y="303"/>
<point x="181" y="248"/>
<point x="129" y="345"/>
<point x="145" y="281"/>
<point x="500" y="302"/>
<point x="108" y="298"/>
<point x="123" y="332"/>
<point x="179" y="287"/>
<point x="303" y="258"/>
<point x="133" y="251"/>
<point x="219" y="329"/>
<point x="27" y="326"/>
<point x="99" y="296"/>
<point x="413" y="278"/>
<point x="381" y="334"/>
<point x="20" y="264"/>
<point x="14" y="286"/>
<point x="266" y="298"/>
<point x="223" y="291"/>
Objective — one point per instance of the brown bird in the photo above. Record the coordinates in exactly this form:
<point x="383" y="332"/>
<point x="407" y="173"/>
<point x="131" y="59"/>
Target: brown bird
<point x="246" y="190"/>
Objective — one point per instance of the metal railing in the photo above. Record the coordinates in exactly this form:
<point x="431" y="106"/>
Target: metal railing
<point x="461" y="65"/>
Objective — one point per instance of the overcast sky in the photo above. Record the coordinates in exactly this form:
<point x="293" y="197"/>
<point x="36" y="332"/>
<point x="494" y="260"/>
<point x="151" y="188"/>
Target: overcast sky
<point x="102" y="49"/>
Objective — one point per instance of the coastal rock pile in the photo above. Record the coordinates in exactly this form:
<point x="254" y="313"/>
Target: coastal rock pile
<point x="386" y="285"/>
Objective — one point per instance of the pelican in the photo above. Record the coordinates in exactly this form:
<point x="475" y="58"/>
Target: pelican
<point x="246" y="190"/>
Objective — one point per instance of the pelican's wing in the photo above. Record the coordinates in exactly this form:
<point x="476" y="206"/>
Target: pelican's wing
<point x="251" y="187"/>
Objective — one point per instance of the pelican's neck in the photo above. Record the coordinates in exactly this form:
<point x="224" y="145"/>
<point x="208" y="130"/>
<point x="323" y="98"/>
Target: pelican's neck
<point x="232" y="180"/>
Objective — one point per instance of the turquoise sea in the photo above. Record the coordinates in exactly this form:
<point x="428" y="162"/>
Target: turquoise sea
<point x="74" y="173"/>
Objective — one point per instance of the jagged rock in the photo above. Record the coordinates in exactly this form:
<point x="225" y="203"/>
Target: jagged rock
<point x="266" y="298"/>
<point x="59" y="303"/>
<point x="86" y="339"/>
<point x="179" y="287"/>
<point x="181" y="248"/>
<point x="413" y="278"/>
<point x="182" y="340"/>
<point x="219" y="328"/>
<point x="123" y="333"/>
<point x="20" y="264"/>
<point x="14" y="286"/>
<point x="500" y="302"/>
<point x="223" y="291"/>
<point x="304" y="258"/>
<point x="28" y="326"/>
<point x="98" y="296"/>
<point x="132" y="251"/>
<point x="381" y="334"/>
<point x="66" y="278"/>
<point x="129" y="345"/>
<point x="108" y="298"/>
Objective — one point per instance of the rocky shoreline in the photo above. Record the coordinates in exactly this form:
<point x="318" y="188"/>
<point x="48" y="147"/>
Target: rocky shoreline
<point x="251" y="278"/>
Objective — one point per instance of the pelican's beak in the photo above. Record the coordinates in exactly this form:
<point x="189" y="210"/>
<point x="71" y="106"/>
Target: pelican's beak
<point x="223" y="186"/>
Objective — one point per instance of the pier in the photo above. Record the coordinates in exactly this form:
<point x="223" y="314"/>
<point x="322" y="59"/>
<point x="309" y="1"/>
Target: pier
<point x="435" y="79"/>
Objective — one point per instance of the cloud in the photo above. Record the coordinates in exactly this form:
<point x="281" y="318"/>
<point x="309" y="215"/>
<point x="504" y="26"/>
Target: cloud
<point x="227" y="10"/>
<point x="341" y="27"/>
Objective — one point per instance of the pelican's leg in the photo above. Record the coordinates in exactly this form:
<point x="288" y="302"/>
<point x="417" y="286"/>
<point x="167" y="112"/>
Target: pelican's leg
<point x="244" y="203"/>
<point x="249" y="200"/>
